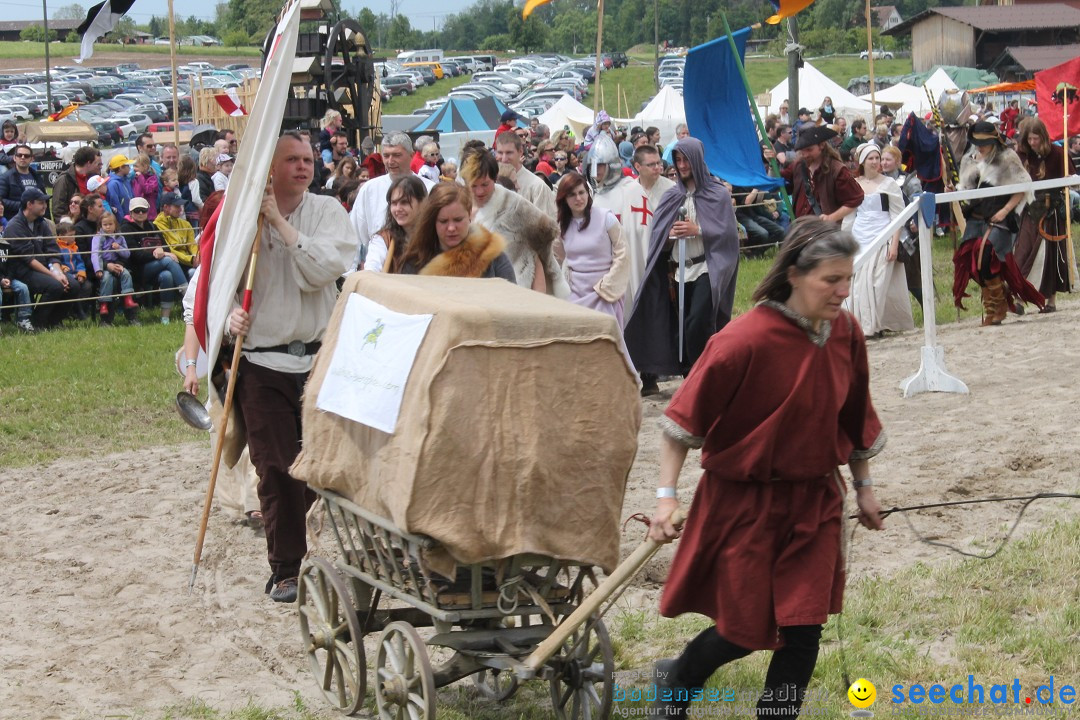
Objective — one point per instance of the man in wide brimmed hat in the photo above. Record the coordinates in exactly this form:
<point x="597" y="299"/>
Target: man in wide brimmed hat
<point x="819" y="182"/>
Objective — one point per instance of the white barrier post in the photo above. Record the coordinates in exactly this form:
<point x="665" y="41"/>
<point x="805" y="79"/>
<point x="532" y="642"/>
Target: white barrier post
<point x="932" y="376"/>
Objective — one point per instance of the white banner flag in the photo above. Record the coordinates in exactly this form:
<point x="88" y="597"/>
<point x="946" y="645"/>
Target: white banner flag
<point x="376" y="348"/>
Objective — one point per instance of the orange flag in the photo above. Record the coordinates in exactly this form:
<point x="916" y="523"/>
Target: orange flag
<point x="63" y="113"/>
<point x="787" y="8"/>
<point x="530" y="6"/>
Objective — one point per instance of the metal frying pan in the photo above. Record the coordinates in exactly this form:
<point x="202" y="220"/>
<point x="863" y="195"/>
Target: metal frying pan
<point x="193" y="412"/>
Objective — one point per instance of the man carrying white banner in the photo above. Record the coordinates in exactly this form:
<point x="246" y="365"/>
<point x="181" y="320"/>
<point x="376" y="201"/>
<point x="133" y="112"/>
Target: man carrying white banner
<point x="307" y="242"/>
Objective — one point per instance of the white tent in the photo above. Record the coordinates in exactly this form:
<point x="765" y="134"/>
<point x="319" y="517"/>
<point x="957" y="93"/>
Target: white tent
<point x="814" y="86"/>
<point x="939" y="82"/>
<point x="667" y="105"/>
<point x="908" y="98"/>
<point x="568" y="112"/>
<point x="664" y="111"/>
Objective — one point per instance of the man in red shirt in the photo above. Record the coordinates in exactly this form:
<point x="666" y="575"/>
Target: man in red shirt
<point x="819" y="182"/>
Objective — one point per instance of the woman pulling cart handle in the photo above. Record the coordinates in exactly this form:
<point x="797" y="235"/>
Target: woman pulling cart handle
<point x="778" y="401"/>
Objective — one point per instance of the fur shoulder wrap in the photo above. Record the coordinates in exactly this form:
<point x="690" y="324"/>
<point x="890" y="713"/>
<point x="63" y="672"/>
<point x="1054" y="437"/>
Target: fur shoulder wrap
<point x="1006" y="169"/>
<point x="471" y="258"/>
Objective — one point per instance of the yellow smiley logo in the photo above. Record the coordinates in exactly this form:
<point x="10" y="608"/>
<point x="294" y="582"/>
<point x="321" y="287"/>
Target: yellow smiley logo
<point x="862" y="693"/>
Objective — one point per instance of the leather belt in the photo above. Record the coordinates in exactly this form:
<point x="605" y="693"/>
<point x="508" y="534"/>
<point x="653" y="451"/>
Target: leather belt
<point x="296" y="348"/>
<point x="690" y="262"/>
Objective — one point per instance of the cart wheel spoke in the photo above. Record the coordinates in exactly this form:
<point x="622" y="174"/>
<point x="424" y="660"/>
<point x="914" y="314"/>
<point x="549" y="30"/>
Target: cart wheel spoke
<point x="582" y="683"/>
<point x="406" y="684"/>
<point x="331" y="633"/>
<point x="328" y="675"/>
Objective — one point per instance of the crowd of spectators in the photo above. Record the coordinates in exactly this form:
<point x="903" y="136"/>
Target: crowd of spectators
<point x="111" y="238"/>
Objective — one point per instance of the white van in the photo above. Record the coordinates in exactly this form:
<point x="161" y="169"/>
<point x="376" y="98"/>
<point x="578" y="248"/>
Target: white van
<point x="418" y="56"/>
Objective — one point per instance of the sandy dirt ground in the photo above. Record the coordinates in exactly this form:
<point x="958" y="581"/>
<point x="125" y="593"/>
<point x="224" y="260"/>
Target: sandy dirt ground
<point x="98" y="620"/>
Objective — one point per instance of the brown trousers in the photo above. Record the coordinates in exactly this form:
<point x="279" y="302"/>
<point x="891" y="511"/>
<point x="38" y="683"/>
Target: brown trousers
<point x="270" y="403"/>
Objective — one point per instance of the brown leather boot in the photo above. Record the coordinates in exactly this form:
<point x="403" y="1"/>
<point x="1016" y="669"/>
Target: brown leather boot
<point x="995" y="307"/>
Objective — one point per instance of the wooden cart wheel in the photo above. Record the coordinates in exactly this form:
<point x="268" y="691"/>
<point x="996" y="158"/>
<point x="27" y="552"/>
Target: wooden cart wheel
<point x="331" y="633"/>
<point x="404" y="681"/>
<point x="497" y="685"/>
<point x="583" y="683"/>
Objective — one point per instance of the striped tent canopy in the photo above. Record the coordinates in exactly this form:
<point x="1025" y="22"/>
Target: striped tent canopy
<point x="463" y="115"/>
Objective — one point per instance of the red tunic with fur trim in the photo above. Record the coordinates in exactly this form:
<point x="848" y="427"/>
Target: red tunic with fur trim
<point x="775" y="408"/>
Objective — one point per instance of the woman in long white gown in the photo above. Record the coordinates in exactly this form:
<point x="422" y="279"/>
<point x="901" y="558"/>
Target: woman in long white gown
<point x="879" y="294"/>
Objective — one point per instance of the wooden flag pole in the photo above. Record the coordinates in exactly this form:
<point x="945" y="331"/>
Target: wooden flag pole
<point x="230" y="390"/>
<point x="870" y="56"/>
<point x="597" y="90"/>
<point x="172" y="62"/>
<point x="618" y="100"/>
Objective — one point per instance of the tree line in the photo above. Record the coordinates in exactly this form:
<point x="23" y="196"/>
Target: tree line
<point x="565" y="26"/>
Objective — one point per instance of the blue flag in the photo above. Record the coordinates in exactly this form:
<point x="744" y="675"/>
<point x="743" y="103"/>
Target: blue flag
<point x="718" y="113"/>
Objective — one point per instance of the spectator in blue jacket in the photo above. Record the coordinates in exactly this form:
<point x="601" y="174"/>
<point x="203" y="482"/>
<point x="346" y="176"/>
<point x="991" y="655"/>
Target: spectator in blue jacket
<point x="119" y="193"/>
<point x="18" y="179"/>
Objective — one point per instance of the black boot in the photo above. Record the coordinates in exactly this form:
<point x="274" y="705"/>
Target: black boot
<point x="672" y="695"/>
<point x="132" y="315"/>
<point x="648" y="385"/>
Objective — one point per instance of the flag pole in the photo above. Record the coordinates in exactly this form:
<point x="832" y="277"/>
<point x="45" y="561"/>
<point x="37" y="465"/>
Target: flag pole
<point x="175" y="100"/>
<point x="230" y="390"/>
<point x="870" y="57"/>
<point x="1071" y="252"/>
<point x="753" y="106"/>
<point x="599" y="62"/>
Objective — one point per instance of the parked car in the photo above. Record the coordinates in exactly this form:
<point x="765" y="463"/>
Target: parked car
<point x="398" y="85"/>
<point x="619" y="59"/>
<point x="878" y="55"/>
<point x="110" y="129"/>
<point x="20" y="112"/>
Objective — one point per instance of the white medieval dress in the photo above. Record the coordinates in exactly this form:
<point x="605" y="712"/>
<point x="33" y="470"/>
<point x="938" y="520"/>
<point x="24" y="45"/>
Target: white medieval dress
<point x="879" y="293"/>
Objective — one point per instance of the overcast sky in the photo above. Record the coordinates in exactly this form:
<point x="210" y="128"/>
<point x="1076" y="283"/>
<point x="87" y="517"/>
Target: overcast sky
<point x="421" y="12"/>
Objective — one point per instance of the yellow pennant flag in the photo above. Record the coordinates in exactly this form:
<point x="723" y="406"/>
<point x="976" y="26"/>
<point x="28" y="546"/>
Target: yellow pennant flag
<point x="787" y="8"/>
<point x="530" y="6"/>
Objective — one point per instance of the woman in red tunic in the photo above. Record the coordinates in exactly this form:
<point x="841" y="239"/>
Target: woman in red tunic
<point x="779" y="400"/>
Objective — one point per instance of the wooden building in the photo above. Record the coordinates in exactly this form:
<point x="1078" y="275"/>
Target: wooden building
<point x="977" y="36"/>
<point x="10" y="29"/>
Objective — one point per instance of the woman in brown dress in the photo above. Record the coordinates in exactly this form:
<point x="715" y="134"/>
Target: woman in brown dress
<point x="1040" y="250"/>
<point x="761" y="552"/>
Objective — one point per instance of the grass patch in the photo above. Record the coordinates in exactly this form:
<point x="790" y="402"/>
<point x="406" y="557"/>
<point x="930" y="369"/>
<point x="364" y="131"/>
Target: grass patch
<point x="398" y="105"/>
<point x="197" y="709"/>
<point x="1015" y="616"/>
<point x="86" y="390"/>
<point x="634" y="83"/>
<point x="59" y="50"/>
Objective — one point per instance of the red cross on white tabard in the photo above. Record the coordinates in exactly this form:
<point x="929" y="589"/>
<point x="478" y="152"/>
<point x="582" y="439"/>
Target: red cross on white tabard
<point x="646" y="213"/>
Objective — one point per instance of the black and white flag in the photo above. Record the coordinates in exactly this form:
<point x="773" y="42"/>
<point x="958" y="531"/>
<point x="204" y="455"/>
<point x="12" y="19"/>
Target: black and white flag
<point x="101" y="19"/>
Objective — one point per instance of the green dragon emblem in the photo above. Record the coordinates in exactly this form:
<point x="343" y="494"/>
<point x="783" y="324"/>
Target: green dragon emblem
<point x="372" y="335"/>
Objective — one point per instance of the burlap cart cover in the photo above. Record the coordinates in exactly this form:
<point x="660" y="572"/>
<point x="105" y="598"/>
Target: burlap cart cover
<point x="517" y="430"/>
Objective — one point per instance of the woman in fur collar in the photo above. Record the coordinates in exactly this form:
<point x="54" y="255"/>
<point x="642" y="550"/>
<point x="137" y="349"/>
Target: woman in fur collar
<point x="446" y="242"/>
<point x="985" y="254"/>
<point x="529" y="233"/>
